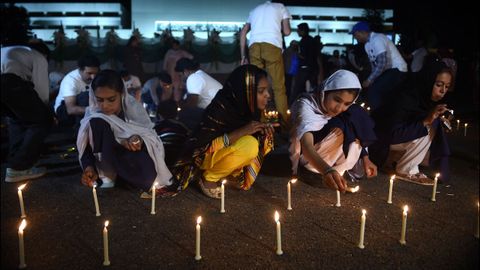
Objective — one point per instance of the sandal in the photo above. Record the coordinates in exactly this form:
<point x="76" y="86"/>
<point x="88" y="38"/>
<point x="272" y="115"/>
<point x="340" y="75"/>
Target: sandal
<point x="419" y="178"/>
<point x="214" y="193"/>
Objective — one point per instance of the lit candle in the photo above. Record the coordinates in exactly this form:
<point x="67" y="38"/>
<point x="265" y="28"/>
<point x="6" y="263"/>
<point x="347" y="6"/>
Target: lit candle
<point x="179" y="109"/>
<point x="106" y="260"/>
<point x="390" y="189"/>
<point x="197" y="239"/>
<point x="95" y="200"/>
<point x="21" y="246"/>
<point x="458" y="124"/>
<point x="368" y="108"/>
<point x="20" y="199"/>
<point x="222" y="201"/>
<point x="152" y="212"/>
<point x="404" y="225"/>
<point x="434" y="191"/>
<point x="355" y="189"/>
<point x="363" y="104"/>
<point x="338" y="199"/>
<point x="288" y="112"/>
<point x="289" y="193"/>
<point x="362" y="228"/>
<point x="279" y="234"/>
<point x="478" y="220"/>
<point x="465" y="131"/>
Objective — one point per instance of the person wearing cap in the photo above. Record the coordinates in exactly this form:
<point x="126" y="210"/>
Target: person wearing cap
<point x="201" y="89"/>
<point x="25" y="97"/>
<point x="330" y="133"/>
<point x="266" y="24"/>
<point x="389" y="69"/>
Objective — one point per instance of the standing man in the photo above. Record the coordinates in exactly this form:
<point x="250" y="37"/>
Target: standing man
<point x="388" y="67"/>
<point x="25" y="97"/>
<point x="266" y="23"/>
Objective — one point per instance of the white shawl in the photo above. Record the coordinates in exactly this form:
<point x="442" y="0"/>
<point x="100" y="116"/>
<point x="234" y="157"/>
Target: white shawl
<point x="136" y="122"/>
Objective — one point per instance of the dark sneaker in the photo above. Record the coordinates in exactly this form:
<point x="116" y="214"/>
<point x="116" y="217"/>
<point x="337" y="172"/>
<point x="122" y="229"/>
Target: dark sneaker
<point x="13" y="176"/>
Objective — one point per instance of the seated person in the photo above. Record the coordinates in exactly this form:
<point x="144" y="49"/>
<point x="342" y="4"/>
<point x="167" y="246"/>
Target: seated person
<point x="132" y="83"/>
<point x="116" y="139"/>
<point x="410" y="129"/>
<point x="230" y="141"/>
<point x="330" y="133"/>
<point x="156" y="90"/>
<point x="201" y="89"/>
<point x="72" y="98"/>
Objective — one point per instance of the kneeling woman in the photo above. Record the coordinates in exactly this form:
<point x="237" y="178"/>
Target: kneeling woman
<point x="410" y="131"/>
<point x="330" y="133"/>
<point x="116" y="138"/>
<point x="230" y="141"/>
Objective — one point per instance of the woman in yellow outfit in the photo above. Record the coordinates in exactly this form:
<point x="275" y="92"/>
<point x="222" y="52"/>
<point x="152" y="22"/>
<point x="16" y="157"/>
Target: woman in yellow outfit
<point x="230" y="141"/>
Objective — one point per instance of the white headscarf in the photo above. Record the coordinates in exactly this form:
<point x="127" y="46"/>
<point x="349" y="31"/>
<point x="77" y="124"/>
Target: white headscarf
<point x="136" y="122"/>
<point x="307" y="115"/>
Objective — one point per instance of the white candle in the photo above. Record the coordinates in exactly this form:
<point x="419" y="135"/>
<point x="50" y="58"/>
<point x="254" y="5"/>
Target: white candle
<point x="289" y="193"/>
<point x="434" y="191"/>
<point x="338" y="199"/>
<point x="20" y="199"/>
<point x="21" y="247"/>
<point x="390" y="189"/>
<point x="465" y="131"/>
<point x="106" y="260"/>
<point x="95" y="200"/>
<point x="458" y="124"/>
<point x="404" y="225"/>
<point x="362" y="228"/>
<point x="222" y="201"/>
<point x="197" y="239"/>
<point x="279" y="234"/>
<point x="478" y="220"/>
<point x="152" y="212"/>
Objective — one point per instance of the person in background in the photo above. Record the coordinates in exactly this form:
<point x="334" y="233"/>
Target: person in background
<point x="330" y="133"/>
<point x="157" y="90"/>
<point x="411" y="129"/>
<point x="25" y="97"/>
<point x="266" y="24"/>
<point x="72" y="98"/>
<point x="418" y="56"/>
<point x="169" y="62"/>
<point x="133" y="58"/>
<point x="133" y="84"/>
<point x="389" y="69"/>
<point x="290" y="58"/>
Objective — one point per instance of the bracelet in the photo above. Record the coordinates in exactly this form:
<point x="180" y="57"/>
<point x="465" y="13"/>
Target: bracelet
<point x="226" y="140"/>
<point x="329" y="170"/>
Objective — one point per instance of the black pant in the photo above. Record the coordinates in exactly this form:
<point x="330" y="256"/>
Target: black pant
<point x="303" y="75"/>
<point x="67" y="120"/>
<point x="29" y="120"/>
<point x="384" y="88"/>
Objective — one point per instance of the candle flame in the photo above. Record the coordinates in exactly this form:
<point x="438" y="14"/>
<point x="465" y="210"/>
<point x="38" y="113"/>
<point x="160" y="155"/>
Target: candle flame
<point x="106" y="223"/>
<point x="155" y="184"/>
<point x="288" y="112"/>
<point x="405" y="209"/>
<point x="22" y="186"/>
<point x="368" y="108"/>
<point x="437" y="175"/>
<point x="392" y="177"/>
<point x="277" y="216"/>
<point x="199" y="219"/>
<point x="94" y="185"/>
<point x="458" y="121"/>
<point x="466" y="124"/>
<point x="179" y="109"/>
<point x="293" y="180"/>
<point x="355" y="189"/>
<point x="224" y="182"/>
<point x="22" y="226"/>
<point x="363" y="104"/>
<point x="364" y="212"/>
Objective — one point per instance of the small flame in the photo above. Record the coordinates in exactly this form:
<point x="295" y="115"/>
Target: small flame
<point x="368" y="108"/>
<point x="355" y="189"/>
<point x="106" y="223"/>
<point x="437" y="175"/>
<point x="199" y="219"/>
<point x="293" y="180"/>
<point x="466" y="124"/>
<point x="94" y="185"/>
<point x="458" y="121"/>
<point x="155" y="184"/>
<point x="288" y="112"/>
<point x="224" y="182"/>
<point x="179" y="109"/>
<point x="364" y="212"/>
<point x="277" y="216"/>
<point x="363" y="104"/>
<point x="405" y="209"/>
<point x="22" y="186"/>
<point x="392" y="177"/>
<point x="22" y="226"/>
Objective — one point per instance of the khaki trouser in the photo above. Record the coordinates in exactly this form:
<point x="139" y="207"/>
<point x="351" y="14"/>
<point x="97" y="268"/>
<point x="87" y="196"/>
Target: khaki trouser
<point x="268" y="57"/>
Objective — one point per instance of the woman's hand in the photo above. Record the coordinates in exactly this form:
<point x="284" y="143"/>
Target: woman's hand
<point x="89" y="176"/>
<point x="334" y="181"/>
<point x="134" y="143"/>
<point x="370" y="167"/>
<point x="269" y="128"/>
<point x="435" y="113"/>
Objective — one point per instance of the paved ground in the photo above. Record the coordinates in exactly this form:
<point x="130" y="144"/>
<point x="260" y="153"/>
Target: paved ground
<point x="64" y="233"/>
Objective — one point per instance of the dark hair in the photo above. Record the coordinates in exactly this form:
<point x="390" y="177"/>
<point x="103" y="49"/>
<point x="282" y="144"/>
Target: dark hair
<point x="304" y="27"/>
<point x="185" y="63"/>
<point x="88" y="61"/>
<point x="165" y="77"/>
<point x="175" y="41"/>
<point x="124" y="73"/>
<point x="40" y="47"/>
<point x="131" y="40"/>
<point x="108" y="78"/>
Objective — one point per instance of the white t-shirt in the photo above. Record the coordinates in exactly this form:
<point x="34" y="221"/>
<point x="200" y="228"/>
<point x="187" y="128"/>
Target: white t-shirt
<point x="203" y="85"/>
<point x="418" y="58"/>
<point x="28" y="64"/>
<point x="379" y="43"/>
<point x="71" y="85"/>
<point x="266" y="23"/>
